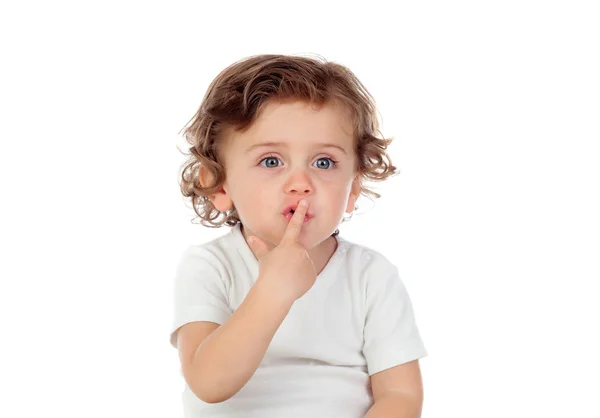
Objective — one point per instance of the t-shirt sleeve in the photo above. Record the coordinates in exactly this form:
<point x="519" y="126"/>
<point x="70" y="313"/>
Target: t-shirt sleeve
<point x="199" y="292"/>
<point x="391" y="336"/>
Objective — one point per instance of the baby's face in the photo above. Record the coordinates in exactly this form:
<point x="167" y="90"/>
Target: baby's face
<point x="263" y="180"/>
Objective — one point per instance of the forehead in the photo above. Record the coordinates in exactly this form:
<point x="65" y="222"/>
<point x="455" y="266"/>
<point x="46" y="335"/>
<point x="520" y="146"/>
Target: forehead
<point x="297" y="122"/>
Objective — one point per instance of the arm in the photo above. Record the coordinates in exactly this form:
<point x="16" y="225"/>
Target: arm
<point x="398" y="392"/>
<point x="229" y="356"/>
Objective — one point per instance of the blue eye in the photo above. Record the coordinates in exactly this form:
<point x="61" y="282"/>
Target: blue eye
<point x="332" y="163"/>
<point x="271" y="159"/>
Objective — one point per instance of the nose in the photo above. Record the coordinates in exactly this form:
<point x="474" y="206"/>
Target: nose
<point x="299" y="183"/>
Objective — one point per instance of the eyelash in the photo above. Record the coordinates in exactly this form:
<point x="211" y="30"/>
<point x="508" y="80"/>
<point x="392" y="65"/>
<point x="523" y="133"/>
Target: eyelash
<point x="334" y="163"/>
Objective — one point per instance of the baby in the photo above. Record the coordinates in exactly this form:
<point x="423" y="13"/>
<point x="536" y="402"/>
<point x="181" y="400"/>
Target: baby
<point x="281" y="317"/>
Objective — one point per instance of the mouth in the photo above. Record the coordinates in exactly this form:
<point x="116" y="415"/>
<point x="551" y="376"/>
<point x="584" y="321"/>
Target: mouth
<point x="290" y="210"/>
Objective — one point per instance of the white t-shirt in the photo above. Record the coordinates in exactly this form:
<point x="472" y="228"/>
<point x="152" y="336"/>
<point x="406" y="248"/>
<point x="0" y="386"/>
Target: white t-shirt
<point x="355" y="321"/>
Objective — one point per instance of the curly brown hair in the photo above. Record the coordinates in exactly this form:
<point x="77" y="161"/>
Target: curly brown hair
<point x="234" y="100"/>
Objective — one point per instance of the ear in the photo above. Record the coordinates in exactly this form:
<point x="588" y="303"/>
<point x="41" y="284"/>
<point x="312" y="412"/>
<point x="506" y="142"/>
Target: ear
<point x="354" y="193"/>
<point x="221" y="198"/>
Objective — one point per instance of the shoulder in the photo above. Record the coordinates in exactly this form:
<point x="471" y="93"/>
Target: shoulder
<point x="213" y="256"/>
<point x="368" y="262"/>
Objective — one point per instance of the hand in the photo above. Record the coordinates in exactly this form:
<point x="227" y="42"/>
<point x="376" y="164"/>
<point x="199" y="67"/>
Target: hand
<point x="287" y="270"/>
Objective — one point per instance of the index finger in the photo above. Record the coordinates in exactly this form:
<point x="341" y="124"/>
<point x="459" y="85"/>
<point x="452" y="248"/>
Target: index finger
<point x="292" y="232"/>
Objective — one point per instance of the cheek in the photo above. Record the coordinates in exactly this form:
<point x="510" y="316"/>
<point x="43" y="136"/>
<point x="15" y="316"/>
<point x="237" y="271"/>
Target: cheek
<point x="336" y="199"/>
<point x="253" y="197"/>
<point x="344" y="196"/>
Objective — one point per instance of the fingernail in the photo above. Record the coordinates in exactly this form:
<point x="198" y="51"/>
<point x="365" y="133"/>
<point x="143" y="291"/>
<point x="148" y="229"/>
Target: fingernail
<point x="303" y="203"/>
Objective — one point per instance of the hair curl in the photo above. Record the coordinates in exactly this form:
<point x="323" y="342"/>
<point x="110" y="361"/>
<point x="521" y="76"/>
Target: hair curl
<point x="234" y="99"/>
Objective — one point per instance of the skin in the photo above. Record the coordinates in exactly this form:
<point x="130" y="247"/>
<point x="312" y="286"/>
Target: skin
<point x="260" y="189"/>
<point x="259" y="194"/>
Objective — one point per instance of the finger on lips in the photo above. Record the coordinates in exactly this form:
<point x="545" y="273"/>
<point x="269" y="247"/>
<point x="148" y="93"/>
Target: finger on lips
<point x="295" y="225"/>
<point x="300" y="212"/>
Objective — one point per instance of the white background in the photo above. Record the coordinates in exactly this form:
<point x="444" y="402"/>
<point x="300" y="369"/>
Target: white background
<point x="493" y="221"/>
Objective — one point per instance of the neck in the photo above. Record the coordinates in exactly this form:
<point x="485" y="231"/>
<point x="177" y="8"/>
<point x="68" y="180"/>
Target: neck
<point x="319" y="254"/>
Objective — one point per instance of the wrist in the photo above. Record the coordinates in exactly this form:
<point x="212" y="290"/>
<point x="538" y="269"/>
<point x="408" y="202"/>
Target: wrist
<point x="273" y="294"/>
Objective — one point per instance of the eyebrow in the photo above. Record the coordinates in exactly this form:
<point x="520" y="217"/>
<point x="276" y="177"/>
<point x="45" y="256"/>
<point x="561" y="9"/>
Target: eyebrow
<point x="285" y="145"/>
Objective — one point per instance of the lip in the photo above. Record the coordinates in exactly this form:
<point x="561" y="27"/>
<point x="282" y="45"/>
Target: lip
<point x="294" y="207"/>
